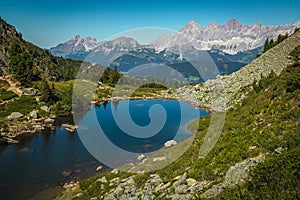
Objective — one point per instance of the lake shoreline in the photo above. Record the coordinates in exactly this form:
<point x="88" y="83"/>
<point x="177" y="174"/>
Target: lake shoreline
<point x="34" y="126"/>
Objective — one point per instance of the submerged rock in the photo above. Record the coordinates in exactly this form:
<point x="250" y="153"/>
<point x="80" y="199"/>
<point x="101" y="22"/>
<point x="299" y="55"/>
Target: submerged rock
<point x="66" y="173"/>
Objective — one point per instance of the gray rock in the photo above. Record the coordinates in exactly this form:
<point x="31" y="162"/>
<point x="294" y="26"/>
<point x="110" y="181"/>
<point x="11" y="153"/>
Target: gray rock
<point x="252" y="147"/>
<point x="15" y="115"/>
<point x="162" y="187"/>
<point x="201" y="186"/>
<point x="141" y="157"/>
<point x="110" y="197"/>
<point x="170" y="143"/>
<point x="78" y="195"/>
<point x="181" y="197"/>
<point x="213" y="192"/>
<point x="102" y="180"/>
<point x="159" y="158"/>
<point x="191" y="182"/>
<point x="279" y="150"/>
<point x="45" y="108"/>
<point x="49" y="121"/>
<point x="94" y="198"/>
<point x="30" y="91"/>
<point x="114" y="181"/>
<point x="154" y="180"/>
<point x="38" y="126"/>
<point x="179" y="181"/>
<point x="34" y="114"/>
<point x="115" y="171"/>
<point x="238" y="173"/>
<point x="118" y="191"/>
<point x="99" y="168"/>
<point x="180" y="189"/>
<point x="162" y="195"/>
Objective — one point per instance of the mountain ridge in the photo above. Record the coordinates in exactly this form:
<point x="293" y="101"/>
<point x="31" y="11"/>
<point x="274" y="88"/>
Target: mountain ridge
<point x="231" y="37"/>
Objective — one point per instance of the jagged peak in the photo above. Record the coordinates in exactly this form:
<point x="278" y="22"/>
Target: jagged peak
<point x="76" y="37"/>
<point x="212" y="23"/>
<point x="234" y="23"/>
<point x="192" y="24"/>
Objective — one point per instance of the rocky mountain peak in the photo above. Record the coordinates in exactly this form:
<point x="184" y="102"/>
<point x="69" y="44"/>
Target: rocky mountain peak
<point x="232" y="37"/>
<point x="213" y="24"/>
<point x="192" y="24"/>
<point x="77" y="37"/>
<point x="233" y="23"/>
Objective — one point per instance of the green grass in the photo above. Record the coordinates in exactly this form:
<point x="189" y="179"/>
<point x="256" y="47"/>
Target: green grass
<point x="6" y="95"/>
<point x="129" y="91"/>
<point x="24" y="105"/>
<point x="4" y="84"/>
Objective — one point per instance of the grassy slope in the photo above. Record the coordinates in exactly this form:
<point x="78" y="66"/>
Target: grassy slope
<point x="268" y="119"/>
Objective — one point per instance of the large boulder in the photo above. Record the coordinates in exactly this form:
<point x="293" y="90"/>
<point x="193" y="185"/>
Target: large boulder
<point x="30" y="91"/>
<point x="15" y="115"/>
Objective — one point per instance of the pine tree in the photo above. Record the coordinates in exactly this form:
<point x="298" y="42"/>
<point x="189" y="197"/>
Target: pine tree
<point x="266" y="45"/>
<point x="48" y="92"/>
<point x="115" y="76"/>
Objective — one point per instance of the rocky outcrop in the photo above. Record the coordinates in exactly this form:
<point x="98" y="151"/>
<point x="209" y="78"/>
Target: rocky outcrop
<point x="179" y="187"/>
<point x="226" y="91"/>
<point x="236" y="175"/>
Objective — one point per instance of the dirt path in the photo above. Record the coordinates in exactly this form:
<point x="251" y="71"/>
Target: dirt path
<point x="12" y="85"/>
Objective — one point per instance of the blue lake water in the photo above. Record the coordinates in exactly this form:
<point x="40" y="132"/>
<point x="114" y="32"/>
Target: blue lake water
<point x="36" y="164"/>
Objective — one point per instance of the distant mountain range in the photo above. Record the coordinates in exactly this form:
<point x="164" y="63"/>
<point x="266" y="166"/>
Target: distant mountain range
<point x="231" y="46"/>
<point x="231" y="38"/>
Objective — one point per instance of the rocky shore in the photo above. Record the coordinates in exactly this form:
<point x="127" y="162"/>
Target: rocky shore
<point x="17" y="129"/>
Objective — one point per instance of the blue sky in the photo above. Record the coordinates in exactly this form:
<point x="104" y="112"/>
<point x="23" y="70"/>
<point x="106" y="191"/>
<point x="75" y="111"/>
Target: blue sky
<point x="47" y="23"/>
